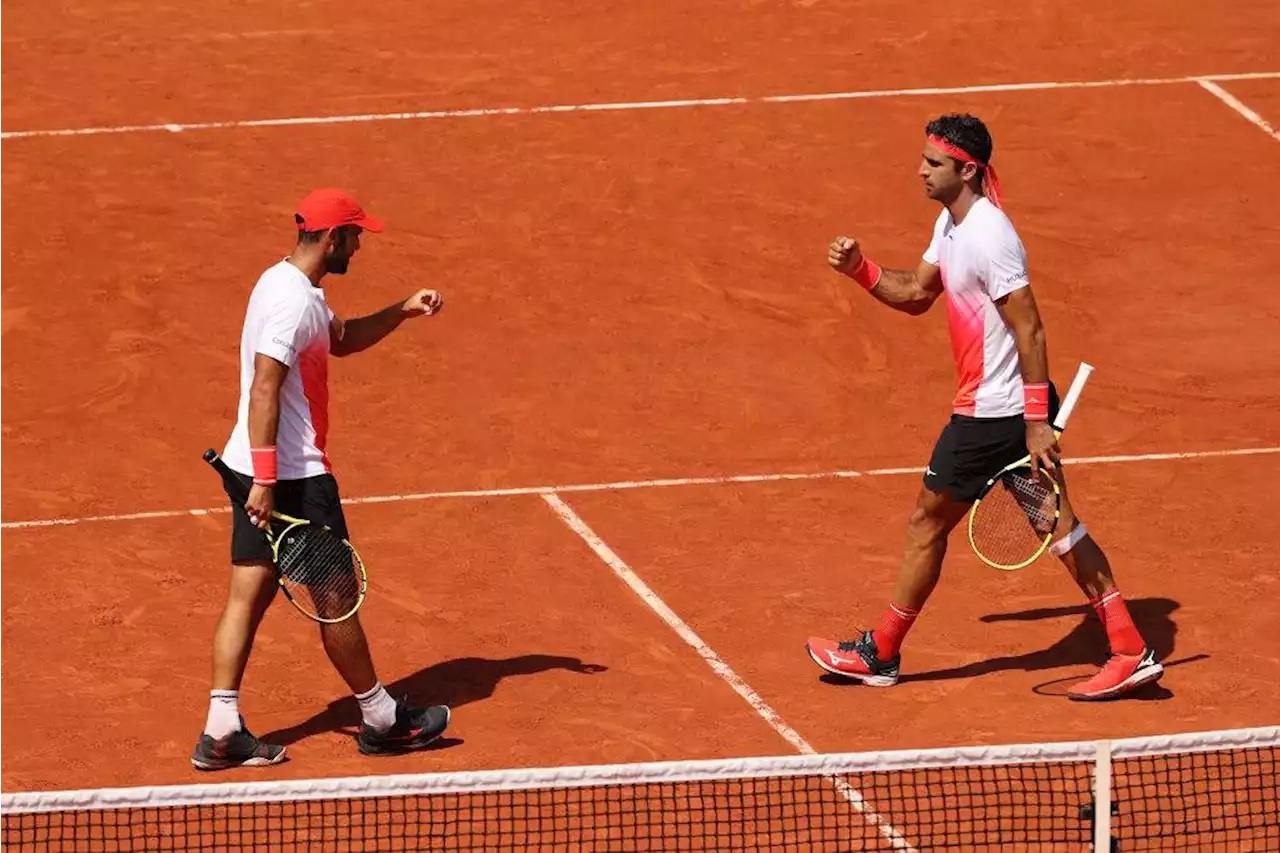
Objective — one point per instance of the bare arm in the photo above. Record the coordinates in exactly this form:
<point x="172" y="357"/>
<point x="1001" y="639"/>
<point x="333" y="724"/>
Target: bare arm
<point x="352" y="336"/>
<point x="264" y="400"/>
<point x="264" y="422"/>
<point x="903" y="290"/>
<point x="911" y="292"/>
<point x="1023" y="317"/>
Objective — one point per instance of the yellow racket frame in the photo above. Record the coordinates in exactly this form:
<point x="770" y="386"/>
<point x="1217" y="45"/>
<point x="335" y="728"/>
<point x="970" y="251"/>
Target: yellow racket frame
<point x="1059" y="425"/>
<point x="1048" y="537"/>
<point x="361" y="575"/>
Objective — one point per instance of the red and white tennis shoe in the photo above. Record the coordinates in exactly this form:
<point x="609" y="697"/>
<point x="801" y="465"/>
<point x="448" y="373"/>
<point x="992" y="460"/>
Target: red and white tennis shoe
<point x="855" y="659"/>
<point x="1119" y="675"/>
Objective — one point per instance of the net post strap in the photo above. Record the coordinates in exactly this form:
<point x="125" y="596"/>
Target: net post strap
<point x="1102" y="798"/>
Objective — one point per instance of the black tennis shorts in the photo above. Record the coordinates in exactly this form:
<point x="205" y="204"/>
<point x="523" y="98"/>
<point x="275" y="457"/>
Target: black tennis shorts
<point x="970" y="451"/>
<point x="314" y="499"/>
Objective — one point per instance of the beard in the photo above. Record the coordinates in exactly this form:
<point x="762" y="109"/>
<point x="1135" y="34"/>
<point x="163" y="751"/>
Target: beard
<point x="337" y="264"/>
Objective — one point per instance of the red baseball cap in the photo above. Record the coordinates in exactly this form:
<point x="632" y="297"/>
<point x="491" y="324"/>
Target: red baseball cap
<point x="330" y="208"/>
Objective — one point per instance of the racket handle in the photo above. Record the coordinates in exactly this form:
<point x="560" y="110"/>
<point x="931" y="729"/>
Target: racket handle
<point x="235" y="486"/>
<point x="1073" y="396"/>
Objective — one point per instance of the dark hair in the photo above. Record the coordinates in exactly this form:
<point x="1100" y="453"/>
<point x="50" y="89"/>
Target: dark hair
<point x="967" y="133"/>
<point x="307" y="236"/>
<point x="314" y="236"/>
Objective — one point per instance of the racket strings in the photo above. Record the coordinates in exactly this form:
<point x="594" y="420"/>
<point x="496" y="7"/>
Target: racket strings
<point x="1037" y="500"/>
<point x="320" y="571"/>
<point x="1014" y="518"/>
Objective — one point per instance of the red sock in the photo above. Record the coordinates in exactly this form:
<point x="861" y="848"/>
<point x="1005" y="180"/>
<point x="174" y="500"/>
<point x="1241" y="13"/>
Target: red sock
<point x="894" y="625"/>
<point x="1121" y="632"/>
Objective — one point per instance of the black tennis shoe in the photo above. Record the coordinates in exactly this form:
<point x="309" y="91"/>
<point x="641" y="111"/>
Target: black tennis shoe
<point x="238" y="749"/>
<point x="414" y="728"/>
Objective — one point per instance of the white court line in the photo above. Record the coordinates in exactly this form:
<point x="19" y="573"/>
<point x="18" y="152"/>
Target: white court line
<point x="722" y="669"/>
<point x="1237" y="105"/>
<point x="651" y="598"/>
<point x="629" y="105"/>
<point x="623" y="485"/>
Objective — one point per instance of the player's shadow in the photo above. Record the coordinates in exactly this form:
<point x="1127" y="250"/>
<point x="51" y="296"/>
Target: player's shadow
<point x="453" y="682"/>
<point x="1084" y="645"/>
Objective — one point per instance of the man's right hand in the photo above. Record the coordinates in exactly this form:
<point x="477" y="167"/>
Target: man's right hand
<point x="262" y="500"/>
<point x="844" y="254"/>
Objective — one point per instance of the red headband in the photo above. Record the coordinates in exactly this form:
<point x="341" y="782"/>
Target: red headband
<point x="990" y="183"/>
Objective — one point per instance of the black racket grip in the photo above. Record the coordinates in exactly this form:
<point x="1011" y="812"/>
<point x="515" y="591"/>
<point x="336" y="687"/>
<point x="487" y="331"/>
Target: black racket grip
<point x="235" y="486"/>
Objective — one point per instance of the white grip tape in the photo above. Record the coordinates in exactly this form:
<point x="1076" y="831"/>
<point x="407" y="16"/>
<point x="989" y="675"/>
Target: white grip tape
<point x="1073" y="395"/>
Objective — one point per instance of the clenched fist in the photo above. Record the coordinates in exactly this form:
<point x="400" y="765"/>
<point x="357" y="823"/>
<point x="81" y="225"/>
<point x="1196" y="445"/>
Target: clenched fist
<point x="424" y="302"/>
<point x="844" y="254"/>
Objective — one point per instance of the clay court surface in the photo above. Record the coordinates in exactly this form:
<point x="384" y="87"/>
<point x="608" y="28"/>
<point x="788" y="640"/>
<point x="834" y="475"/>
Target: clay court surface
<point x="632" y="295"/>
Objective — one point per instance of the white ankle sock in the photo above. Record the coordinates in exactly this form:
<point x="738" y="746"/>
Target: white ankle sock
<point x="224" y="713"/>
<point x="377" y="708"/>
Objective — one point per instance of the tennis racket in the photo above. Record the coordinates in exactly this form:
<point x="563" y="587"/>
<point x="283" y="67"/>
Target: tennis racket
<point x="1016" y="514"/>
<point x="321" y="573"/>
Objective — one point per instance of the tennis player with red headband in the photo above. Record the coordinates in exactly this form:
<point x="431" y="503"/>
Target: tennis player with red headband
<point x="278" y="449"/>
<point x="1001" y="413"/>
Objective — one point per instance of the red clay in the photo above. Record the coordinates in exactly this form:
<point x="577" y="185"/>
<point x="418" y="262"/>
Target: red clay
<point x="224" y="61"/>
<point x="629" y="295"/>
<point x="992" y="655"/>
<point x="492" y="606"/>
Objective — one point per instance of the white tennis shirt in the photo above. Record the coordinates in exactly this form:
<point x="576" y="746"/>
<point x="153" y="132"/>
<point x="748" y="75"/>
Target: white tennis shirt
<point x="288" y="320"/>
<point x="982" y="259"/>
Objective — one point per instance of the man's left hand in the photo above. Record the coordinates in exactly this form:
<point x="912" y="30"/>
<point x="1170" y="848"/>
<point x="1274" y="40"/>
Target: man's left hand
<point x="423" y="303"/>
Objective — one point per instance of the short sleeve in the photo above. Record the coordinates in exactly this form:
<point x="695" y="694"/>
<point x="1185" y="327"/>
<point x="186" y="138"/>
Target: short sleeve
<point x="934" y="251"/>
<point x="1006" y="266"/>
<point x="285" y="331"/>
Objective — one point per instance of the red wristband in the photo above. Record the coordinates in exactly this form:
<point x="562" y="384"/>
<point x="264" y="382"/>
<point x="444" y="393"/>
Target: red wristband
<point x="264" y="465"/>
<point x="1035" y="401"/>
<point x="867" y="273"/>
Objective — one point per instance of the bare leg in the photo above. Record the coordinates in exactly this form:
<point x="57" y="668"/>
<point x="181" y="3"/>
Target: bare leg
<point x="348" y="651"/>
<point x="928" y="527"/>
<point x="253" y="587"/>
<point x="1085" y="560"/>
<point x="344" y="642"/>
<point x="225" y="743"/>
<point x="873" y="658"/>
<point x="1131" y="663"/>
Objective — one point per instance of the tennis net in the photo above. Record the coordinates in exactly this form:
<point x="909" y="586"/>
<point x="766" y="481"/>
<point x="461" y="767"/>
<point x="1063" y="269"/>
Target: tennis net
<point x="1204" y="791"/>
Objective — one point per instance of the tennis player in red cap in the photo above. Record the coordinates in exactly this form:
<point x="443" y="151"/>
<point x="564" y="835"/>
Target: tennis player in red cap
<point x="1001" y="411"/>
<point x="278" y="450"/>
